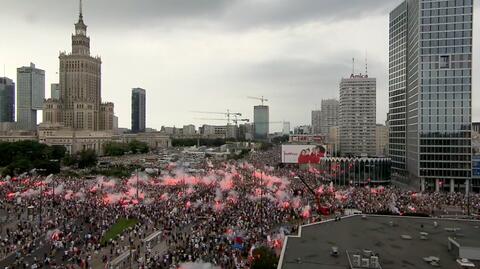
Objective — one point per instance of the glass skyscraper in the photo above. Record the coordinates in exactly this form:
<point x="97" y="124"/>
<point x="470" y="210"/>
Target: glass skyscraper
<point x="430" y="92"/>
<point x="261" y="122"/>
<point x="138" y="110"/>
<point x="30" y="96"/>
<point x="7" y="100"/>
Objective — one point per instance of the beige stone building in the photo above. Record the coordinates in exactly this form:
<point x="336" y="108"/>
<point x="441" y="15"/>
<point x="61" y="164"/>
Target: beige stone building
<point x="381" y="140"/>
<point x="80" y="106"/>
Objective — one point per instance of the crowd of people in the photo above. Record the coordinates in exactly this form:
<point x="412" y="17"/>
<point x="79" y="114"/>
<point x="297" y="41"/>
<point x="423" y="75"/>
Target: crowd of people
<point x="218" y="215"/>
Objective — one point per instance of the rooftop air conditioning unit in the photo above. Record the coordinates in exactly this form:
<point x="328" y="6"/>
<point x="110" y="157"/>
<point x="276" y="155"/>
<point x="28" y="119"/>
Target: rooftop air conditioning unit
<point x="365" y="263"/>
<point x="374" y="263"/>
<point x="367" y="253"/>
<point x="356" y="260"/>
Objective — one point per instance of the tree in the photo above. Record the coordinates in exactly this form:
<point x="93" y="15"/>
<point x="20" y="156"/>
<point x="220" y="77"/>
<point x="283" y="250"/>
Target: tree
<point x="22" y="156"/>
<point x="280" y="139"/>
<point x="265" y="146"/>
<point x="136" y="146"/>
<point x="115" y="149"/>
<point x="87" y="158"/>
<point x="58" y="152"/>
<point x="70" y="160"/>
<point x="264" y="258"/>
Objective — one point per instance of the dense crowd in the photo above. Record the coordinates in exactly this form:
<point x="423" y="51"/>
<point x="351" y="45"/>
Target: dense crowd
<point x="219" y="215"/>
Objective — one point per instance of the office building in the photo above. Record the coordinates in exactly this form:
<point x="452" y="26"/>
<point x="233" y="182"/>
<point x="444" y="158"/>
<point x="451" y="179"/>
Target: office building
<point x="7" y="100"/>
<point x="328" y="115"/>
<point x="333" y="139"/>
<point x="138" y="110"/>
<point x="261" y="122"/>
<point x="55" y="91"/>
<point x="30" y="96"/>
<point x="80" y="106"/>
<point x="286" y="128"/>
<point x="188" y="130"/>
<point x="302" y="130"/>
<point x="430" y="90"/>
<point x="219" y="131"/>
<point x="357" y="115"/>
<point x="381" y="140"/>
<point x="316" y="115"/>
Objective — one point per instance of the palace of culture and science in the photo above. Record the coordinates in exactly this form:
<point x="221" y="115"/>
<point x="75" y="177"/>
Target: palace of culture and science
<point x="80" y="104"/>
<point x="76" y="118"/>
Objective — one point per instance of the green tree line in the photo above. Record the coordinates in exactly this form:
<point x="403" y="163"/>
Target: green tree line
<point x="23" y="156"/>
<point x="119" y="148"/>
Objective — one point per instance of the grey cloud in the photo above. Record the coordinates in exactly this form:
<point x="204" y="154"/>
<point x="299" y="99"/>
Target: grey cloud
<point x="301" y="74"/>
<point x="237" y="14"/>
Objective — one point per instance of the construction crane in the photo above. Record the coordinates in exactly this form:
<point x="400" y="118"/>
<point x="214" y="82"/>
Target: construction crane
<point x="262" y="99"/>
<point x="235" y="121"/>
<point x="227" y="114"/>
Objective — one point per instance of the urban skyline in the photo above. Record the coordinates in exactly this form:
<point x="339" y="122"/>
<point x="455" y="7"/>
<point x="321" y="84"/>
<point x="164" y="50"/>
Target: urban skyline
<point x="312" y="78"/>
<point x="78" y="190"/>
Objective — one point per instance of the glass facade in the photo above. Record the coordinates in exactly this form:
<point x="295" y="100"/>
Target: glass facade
<point x="138" y="110"/>
<point x="438" y="87"/>
<point x="397" y="88"/>
<point x="30" y="95"/>
<point x="261" y="121"/>
<point x="7" y="100"/>
<point x="355" y="171"/>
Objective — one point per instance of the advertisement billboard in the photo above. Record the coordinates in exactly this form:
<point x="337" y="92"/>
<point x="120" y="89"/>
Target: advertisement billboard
<point x="303" y="154"/>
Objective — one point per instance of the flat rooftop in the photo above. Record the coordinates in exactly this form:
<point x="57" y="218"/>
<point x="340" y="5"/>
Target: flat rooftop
<point x="311" y="249"/>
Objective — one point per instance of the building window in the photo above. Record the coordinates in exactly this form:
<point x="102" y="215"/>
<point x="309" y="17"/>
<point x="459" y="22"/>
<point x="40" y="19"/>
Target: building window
<point x="444" y="61"/>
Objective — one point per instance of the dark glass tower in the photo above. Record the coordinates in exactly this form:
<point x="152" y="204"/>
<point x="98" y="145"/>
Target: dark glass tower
<point x="7" y="100"/>
<point x="138" y="110"/>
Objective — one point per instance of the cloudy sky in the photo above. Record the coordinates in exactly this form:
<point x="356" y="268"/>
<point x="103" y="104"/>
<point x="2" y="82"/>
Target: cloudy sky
<point x="209" y="55"/>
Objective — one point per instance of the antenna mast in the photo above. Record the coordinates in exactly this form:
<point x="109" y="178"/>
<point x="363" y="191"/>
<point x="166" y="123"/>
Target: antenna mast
<point x="80" y="9"/>
<point x="366" y="63"/>
<point x="353" y="66"/>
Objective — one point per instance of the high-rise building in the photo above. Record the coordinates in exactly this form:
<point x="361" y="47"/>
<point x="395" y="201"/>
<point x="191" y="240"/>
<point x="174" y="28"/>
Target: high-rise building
<point x="381" y="140"/>
<point x="188" y="130"/>
<point x="286" y="128"/>
<point x="302" y="130"/>
<point x="138" y="110"/>
<point x="316" y="115"/>
<point x="261" y="121"/>
<point x="430" y="92"/>
<point x="30" y="96"/>
<point x="80" y="106"/>
<point x="357" y="115"/>
<point x="328" y="115"/>
<point x="7" y="100"/>
<point x="55" y="91"/>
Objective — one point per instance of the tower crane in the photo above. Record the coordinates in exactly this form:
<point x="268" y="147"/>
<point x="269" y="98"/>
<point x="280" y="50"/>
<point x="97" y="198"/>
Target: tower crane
<point x="262" y="99"/>
<point x="227" y="114"/>
<point x="235" y="121"/>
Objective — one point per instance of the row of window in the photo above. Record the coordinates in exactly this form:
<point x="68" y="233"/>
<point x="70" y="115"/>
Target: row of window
<point x="446" y="35"/>
<point x="447" y="19"/>
<point x="451" y="65"/>
<point x="446" y="96"/>
<point x="453" y="10"/>
<point x="446" y="50"/>
<point x="461" y="134"/>
<point x="446" y="81"/>
<point x="446" y="42"/>
<point x="445" y="173"/>
<point x="446" y="88"/>
<point x="445" y="142"/>
<point x="445" y="165"/>
<point x="446" y="27"/>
